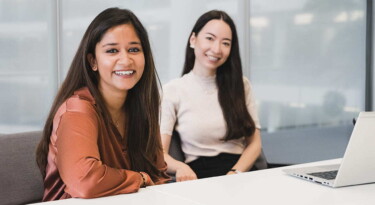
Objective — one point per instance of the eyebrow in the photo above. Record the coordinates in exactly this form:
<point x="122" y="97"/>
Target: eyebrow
<point x="215" y="36"/>
<point x="114" y="44"/>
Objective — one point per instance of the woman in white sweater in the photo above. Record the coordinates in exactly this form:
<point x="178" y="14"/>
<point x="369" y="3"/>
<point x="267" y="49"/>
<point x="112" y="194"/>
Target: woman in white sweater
<point x="211" y="106"/>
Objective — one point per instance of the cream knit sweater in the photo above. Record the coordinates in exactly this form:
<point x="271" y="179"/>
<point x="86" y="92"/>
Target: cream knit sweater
<point x="190" y="105"/>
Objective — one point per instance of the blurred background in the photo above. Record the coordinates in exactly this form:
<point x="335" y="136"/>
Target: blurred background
<point x="309" y="61"/>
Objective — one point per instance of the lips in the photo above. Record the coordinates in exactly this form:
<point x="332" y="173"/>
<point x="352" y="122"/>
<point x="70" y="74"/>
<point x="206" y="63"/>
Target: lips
<point x="124" y="72"/>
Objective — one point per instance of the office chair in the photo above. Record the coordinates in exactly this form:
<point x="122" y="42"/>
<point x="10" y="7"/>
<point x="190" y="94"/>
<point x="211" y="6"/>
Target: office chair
<point x="21" y="181"/>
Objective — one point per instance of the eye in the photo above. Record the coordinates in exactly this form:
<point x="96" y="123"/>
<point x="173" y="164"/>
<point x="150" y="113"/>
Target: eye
<point x="209" y="38"/>
<point x="112" y="50"/>
<point x="134" y="50"/>
<point x="226" y="44"/>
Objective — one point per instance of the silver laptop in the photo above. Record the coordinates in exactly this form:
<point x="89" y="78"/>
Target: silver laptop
<point x="358" y="163"/>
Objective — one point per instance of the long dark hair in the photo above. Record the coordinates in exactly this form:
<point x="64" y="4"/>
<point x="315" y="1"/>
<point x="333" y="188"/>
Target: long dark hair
<point x="229" y="80"/>
<point x="142" y="102"/>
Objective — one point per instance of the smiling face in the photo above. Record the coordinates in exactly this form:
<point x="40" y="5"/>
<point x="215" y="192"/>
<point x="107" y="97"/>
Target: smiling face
<point x="119" y="59"/>
<point x="211" y="46"/>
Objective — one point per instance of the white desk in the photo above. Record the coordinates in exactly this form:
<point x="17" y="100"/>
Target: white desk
<point x="144" y="196"/>
<point x="270" y="186"/>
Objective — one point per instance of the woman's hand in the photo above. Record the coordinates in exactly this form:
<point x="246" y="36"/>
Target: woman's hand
<point x="147" y="179"/>
<point x="185" y="173"/>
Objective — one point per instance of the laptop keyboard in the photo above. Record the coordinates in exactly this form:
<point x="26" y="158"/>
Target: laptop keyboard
<point x="325" y="175"/>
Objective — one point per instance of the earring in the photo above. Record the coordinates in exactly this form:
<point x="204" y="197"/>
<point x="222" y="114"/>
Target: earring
<point x="192" y="46"/>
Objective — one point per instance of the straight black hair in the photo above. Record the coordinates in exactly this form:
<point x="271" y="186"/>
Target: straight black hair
<point x="229" y="80"/>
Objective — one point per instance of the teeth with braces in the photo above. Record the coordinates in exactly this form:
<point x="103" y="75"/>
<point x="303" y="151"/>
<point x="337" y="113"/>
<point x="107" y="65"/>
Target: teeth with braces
<point x="128" y="72"/>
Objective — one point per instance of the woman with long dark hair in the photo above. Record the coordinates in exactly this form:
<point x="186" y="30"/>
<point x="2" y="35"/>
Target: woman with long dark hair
<point x="211" y="106"/>
<point x="102" y="136"/>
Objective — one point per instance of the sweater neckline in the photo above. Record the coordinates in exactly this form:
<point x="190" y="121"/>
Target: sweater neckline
<point x="206" y="83"/>
<point x="205" y="79"/>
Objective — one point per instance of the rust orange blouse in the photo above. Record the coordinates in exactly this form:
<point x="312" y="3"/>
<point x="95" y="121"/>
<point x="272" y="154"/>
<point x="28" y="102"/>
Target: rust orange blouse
<point x="84" y="161"/>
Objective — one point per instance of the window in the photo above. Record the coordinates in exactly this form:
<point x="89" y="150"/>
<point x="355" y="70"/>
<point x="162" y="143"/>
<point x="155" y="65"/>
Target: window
<point x="308" y="69"/>
<point x="27" y="63"/>
<point x="306" y="60"/>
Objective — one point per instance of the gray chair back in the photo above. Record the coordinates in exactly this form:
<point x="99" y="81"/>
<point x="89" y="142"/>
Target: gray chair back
<point x="261" y="162"/>
<point x="175" y="149"/>
<point x="20" y="179"/>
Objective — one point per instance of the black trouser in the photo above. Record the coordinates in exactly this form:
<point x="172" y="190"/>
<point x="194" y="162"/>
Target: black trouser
<point x="214" y="166"/>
